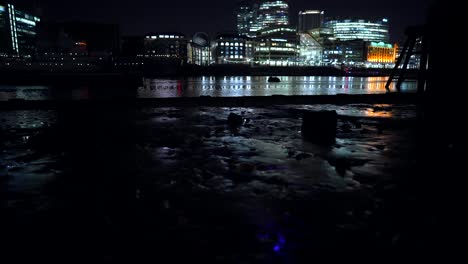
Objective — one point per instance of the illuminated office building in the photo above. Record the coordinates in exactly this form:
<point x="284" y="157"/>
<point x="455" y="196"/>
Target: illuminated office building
<point x="277" y="46"/>
<point x="350" y="52"/>
<point x="360" y="53"/>
<point x="245" y="15"/>
<point x="18" y="31"/>
<point x="166" y="45"/>
<point x="232" y="49"/>
<point x="310" y="50"/>
<point x="310" y="19"/>
<point x="381" y="53"/>
<point x="351" y="29"/>
<point x="272" y="13"/>
<point x="253" y="16"/>
<point x="199" y="50"/>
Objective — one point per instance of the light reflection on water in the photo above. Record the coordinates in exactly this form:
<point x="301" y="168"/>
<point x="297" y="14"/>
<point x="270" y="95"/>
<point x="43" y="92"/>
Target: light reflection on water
<point x="224" y="86"/>
<point x="259" y="86"/>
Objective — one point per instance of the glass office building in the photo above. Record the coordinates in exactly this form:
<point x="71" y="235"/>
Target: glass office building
<point x="245" y="15"/>
<point x="18" y="31"/>
<point x="232" y="49"/>
<point x="272" y="13"/>
<point x="351" y="29"/>
<point x="199" y="49"/>
<point x="277" y="46"/>
<point x="310" y="19"/>
<point x="253" y="16"/>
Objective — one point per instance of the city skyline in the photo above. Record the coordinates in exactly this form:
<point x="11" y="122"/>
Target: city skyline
<point x="140" y="16"/>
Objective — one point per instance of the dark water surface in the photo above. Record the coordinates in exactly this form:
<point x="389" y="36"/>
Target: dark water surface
<point x="209" y="86"/>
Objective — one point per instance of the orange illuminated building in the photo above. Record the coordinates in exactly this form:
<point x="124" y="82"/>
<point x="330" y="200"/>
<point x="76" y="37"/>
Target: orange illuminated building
<point x="380" y="52"/>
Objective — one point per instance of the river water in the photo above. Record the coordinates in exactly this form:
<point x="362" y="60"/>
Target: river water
<point x="227" y="86"/>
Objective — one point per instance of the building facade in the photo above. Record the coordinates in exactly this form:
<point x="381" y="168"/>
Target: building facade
<point x="18" y="31"/>
<point x="245" y="16"/>
<point x="166" y="45"/>
<point x="253" y="16"/>
<point x="310" y="50"/>
<point x="351" y="29"/>
<point x="232" y="49"/>
<point x="199" y="50"/>
<point x="309" y="20"/>
<point x="359" y="53"/>
<point x="272" y="13"/>
<point x="381" y="53"/>
<point x="277" y="46"/>
<point x="350" y="52"/>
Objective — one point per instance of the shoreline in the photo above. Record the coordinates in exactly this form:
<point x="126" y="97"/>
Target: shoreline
<point x="249" y="101"/>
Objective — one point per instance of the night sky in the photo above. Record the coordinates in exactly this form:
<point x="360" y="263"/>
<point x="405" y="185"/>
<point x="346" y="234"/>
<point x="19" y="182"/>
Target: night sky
<point x="142" y="16"/>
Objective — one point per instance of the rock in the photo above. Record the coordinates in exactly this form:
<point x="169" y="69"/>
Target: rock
<point x="274" y="79"/>
<point x="342" y="164"/>
<point x="235" y="120"/>
<point x="319" y="126"/>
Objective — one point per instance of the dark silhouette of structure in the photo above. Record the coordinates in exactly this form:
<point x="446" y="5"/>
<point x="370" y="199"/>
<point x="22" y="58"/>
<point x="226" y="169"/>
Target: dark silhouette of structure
<point x="414" y="34"/>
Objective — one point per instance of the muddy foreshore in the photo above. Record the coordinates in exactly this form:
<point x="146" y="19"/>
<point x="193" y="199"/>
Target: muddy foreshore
<point x="115" y="184"/>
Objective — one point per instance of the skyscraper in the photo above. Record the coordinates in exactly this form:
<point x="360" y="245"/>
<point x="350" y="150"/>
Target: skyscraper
<point x="253" y="16"/>
<point x="351" y="29"/>
<point x="273" y="13"/>
<point x="18" y="31"/>
<point x="245" y="16"/>
<point x="310" y="19"/>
